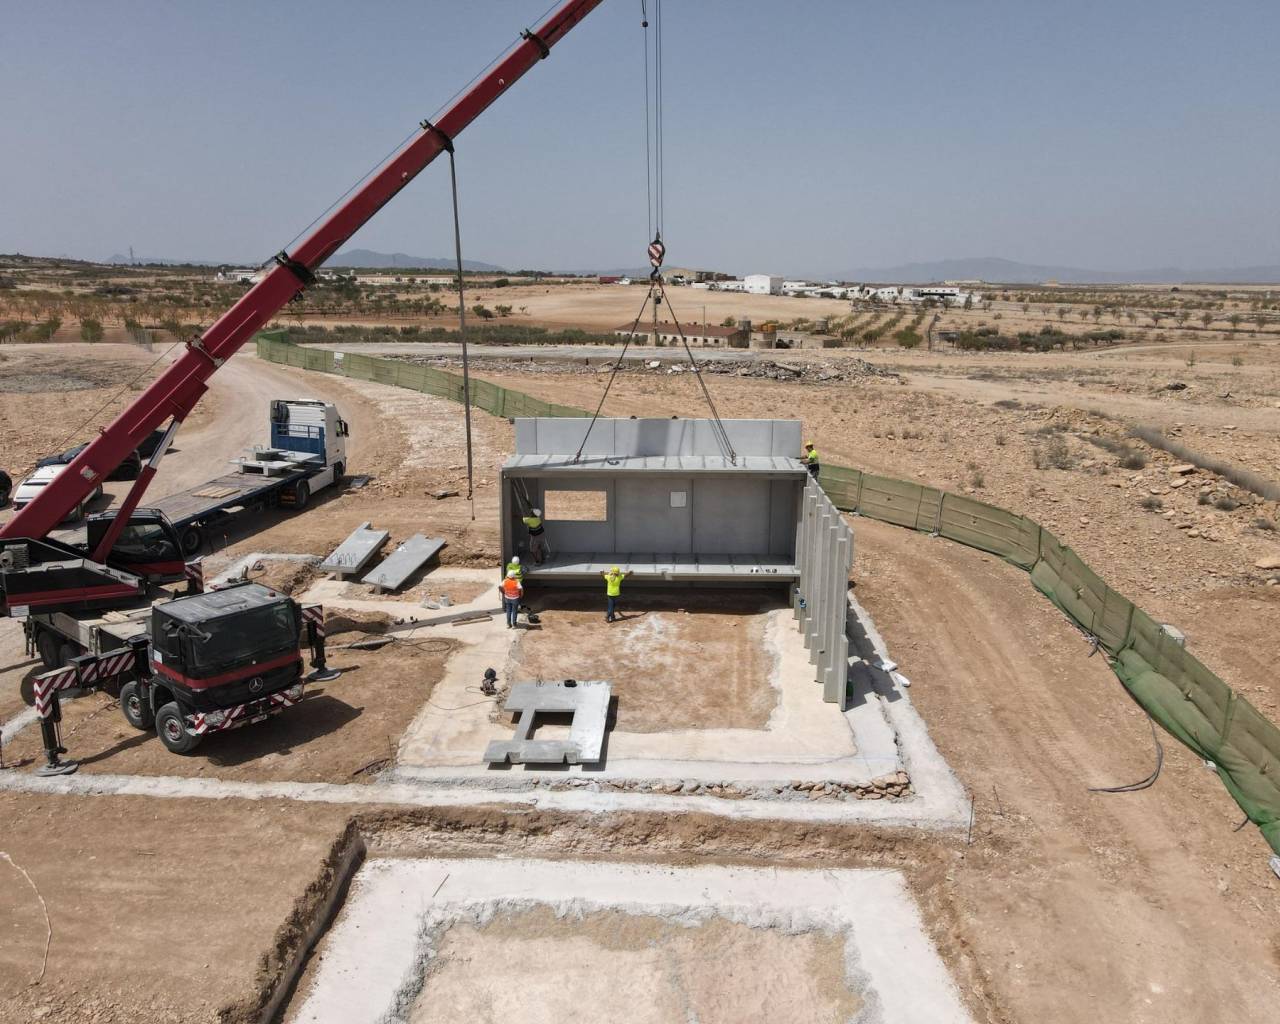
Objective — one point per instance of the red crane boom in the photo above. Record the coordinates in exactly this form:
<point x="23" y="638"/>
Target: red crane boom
<point x="176" y="391"/>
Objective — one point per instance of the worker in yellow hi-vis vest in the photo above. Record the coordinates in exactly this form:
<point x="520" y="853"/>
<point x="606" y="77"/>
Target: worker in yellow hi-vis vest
<point x="537" y="535"/>
<point x="613" y="592"/>
<point x="811" y="459"/>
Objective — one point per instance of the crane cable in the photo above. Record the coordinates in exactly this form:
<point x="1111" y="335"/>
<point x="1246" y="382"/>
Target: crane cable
<point x="655" y="198"/>
<point x="462" y="332"/>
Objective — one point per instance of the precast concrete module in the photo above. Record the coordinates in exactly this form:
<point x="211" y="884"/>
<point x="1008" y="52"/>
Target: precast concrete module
<point x="669" y="503"/>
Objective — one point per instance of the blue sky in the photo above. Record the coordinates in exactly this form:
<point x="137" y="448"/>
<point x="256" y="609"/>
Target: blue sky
<point x="804" y="137"/>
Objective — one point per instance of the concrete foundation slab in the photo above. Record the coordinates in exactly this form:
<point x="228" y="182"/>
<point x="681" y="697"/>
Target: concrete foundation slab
<point x="588" y="702"/>
<point x="385" y="958"/>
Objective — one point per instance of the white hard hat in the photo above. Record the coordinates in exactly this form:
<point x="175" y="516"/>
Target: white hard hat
<point x="537" y="512"/>
<point x="515" y="559"/>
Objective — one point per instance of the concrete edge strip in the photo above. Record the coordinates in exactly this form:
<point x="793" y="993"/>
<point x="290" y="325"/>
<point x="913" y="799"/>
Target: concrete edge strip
<point x="17" y="723"/>
<point x="927" y="812"/>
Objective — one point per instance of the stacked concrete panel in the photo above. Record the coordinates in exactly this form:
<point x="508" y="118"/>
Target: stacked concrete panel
<point x="824" y="556"/>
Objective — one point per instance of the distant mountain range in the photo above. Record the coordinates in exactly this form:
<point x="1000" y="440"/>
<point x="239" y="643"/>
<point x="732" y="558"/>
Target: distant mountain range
<point x="994" y="269"/>
<point x="368" y="259"/>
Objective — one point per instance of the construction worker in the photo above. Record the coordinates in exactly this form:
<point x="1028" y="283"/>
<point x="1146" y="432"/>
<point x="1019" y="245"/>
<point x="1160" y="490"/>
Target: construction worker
<point x="613" y="591"/>
<point x="811" y="459"/>
<point x="512" y="591"/>
<point x="514" y="566"/>
<point x="537" y="537"/>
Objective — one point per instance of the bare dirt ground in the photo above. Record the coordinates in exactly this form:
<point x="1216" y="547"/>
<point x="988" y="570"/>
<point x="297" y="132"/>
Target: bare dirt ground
<point x="194" y="895"/>
<point x="1150" y="903"/>
<point x="647" y="656"/>
<point x="644" y="970"/>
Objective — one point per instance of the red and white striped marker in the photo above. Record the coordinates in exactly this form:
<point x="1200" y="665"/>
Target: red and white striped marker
<point x="314" y="613"/>
<point x="48" y="683"/>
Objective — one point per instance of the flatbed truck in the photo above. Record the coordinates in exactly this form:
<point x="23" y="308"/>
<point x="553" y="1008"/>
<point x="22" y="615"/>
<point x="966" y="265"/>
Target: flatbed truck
<point x="307" y="453"/>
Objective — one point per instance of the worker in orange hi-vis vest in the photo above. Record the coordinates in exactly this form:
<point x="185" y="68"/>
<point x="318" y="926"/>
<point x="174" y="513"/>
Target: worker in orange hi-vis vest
<point x="512" y="591"/>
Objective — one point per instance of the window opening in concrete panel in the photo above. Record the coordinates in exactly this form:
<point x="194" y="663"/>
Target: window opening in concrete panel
<point x="576" y="506"/>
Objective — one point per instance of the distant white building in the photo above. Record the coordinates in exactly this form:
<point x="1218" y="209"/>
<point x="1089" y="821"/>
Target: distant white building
<point x="239" y="275"/>
<point x="893" y="294"/>
<point x="762" y="284"/>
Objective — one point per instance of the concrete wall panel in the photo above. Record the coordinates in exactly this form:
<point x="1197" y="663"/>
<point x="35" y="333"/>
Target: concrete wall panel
<point x="732" y="514"/>
<point x="644" y="519"/>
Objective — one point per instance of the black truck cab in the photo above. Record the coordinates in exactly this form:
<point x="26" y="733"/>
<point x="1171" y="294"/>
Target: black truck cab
<point x="226" y="647"/>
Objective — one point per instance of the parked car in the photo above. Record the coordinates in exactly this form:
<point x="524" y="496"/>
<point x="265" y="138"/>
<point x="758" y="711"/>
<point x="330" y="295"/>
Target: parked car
<point x="128" y="469"/>
<point x="37" y="481"/>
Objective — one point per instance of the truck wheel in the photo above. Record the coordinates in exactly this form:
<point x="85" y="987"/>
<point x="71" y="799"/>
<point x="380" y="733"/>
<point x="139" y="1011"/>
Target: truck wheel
<point x="192" y="540"/>
<point x="137" y="712"/>
<point x="301" y="495"/>
<point x="171" y="727"/>
<point x="47" y="646"/>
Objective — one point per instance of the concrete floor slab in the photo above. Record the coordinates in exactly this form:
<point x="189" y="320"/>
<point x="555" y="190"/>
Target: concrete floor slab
<point x="377" y="962"/>
<point x="804" y="739"/>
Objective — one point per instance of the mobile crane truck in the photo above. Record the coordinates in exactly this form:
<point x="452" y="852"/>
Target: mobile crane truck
<point x="193" y="660"/>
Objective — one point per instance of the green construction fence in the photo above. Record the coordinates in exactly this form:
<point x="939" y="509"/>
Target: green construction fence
<point x="1170" y="684"/>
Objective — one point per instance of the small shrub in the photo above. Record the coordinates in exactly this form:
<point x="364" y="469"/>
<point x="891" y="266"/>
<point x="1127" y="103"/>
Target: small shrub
<point x="1058" y="454"/>
<point x="1131" y="458"/>
<point x="1151" y="503"/>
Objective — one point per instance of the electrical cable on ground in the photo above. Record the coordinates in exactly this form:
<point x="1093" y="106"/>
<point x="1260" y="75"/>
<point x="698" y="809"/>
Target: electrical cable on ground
<point x="1134" y="787"/>
<point x="44" y="963"/>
